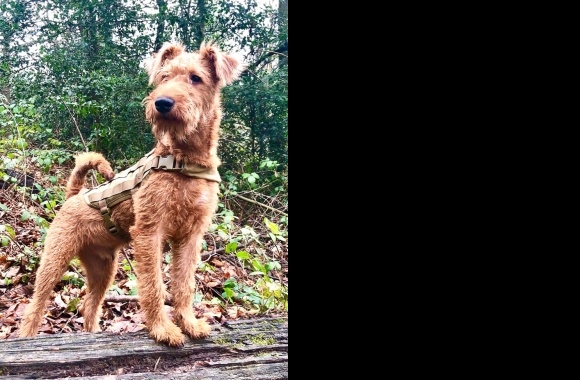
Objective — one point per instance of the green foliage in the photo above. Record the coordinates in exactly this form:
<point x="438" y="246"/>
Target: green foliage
<point x="106" y="124"/>
<point x="18" y="122"/>
<point x="266" y="292"/>
<point x="256" y="120"/>
<point x="7" y="233"/>
<point x="131" y="284"/>
<point x="73" y="278"/>
<point x="269" y="178"/>
<point x="73" y="305"/>
<point x="87" y="80"/>
<point x="20" y="126"/>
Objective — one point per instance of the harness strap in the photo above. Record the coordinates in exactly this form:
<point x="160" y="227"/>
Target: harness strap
<point x="106" y="214"/>
<point x="124" y="184"/>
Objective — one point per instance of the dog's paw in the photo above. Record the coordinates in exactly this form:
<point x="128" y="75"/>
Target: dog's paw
<point x="29" y="326"/>
<point x="26" y="331"/>
<point x="195" y="328"/>
<point x="168" y="334"/>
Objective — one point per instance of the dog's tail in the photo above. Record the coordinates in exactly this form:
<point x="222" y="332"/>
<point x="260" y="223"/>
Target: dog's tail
<point x="83" y="163"/>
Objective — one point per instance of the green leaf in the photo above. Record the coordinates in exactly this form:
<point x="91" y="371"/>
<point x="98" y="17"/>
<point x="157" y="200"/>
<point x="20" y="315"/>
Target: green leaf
<point x="73" y="304"/>
<point x="25" y="216"/>
<point x="68" y="276"/>
<point x="259" y="266"/>
<point x="228" y="218"/>
<point x="273" y="265"/>
<point x="243" y="255"/>
<point x="228" y="293"/>
<point x="231" y="247"/>
<point x="230" y="283"/>
<point x="272" y="226"/>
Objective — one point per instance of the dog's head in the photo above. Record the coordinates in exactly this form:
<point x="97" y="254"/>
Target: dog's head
<point x="187" y="87"/>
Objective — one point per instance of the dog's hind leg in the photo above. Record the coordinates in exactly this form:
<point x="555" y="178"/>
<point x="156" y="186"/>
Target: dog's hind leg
<point x="60" y="248"/>
<point x="186" y="257"/>
<point x="99" y="265"/>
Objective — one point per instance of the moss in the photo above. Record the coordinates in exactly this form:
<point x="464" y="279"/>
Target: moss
<point x="262" y="340"/>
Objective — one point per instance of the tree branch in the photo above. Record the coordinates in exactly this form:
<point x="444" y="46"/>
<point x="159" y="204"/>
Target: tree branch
<point x="282" y="50"/>
<point x="260" y="204"/>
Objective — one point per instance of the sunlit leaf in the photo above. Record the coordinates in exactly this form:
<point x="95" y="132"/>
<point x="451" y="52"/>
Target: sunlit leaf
<point x="243" y="255"/>
<point x="231" y="247"/>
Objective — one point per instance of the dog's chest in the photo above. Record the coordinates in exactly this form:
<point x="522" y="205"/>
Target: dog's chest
<point x="177" y="194"/>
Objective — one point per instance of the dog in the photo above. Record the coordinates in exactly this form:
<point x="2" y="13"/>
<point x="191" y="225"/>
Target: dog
<point x="167" y="207"/>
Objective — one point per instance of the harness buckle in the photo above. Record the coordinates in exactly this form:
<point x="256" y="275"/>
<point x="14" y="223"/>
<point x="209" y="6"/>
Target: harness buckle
<point x="169" y="163"/>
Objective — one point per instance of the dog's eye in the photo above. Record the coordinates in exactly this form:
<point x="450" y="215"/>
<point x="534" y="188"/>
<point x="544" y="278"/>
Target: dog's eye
<point x="195" y="79"/>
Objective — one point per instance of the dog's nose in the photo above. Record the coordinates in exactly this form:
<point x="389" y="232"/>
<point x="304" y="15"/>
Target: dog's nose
<point x="164" y="104"/>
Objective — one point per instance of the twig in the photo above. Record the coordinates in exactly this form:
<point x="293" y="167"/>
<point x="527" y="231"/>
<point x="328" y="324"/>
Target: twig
<point x="128" y="298"/>
<point x="128" y="261"/>
<point x="77" y="127"/>
<point x="260" y="204"/>
<point x="214" y="251"/>
<point x="68" y="321"/>
<point x="74" y="268"/>
<point x="93" y="175"/>
<point x="157" y="362"/>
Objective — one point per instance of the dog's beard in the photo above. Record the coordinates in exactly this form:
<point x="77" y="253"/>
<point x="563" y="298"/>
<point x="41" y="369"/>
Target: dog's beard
<point x="178" y="124"/>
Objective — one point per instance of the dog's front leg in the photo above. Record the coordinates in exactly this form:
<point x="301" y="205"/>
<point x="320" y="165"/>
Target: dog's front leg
<point x="186" y="256"/>
<point x="147" y="253"/>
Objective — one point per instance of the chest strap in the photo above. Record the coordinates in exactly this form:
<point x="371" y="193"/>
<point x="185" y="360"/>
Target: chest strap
<point x="126" y="183"/>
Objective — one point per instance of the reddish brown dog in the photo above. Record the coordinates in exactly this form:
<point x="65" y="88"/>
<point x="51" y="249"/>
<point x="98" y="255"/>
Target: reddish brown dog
<point x="184" y="110"/>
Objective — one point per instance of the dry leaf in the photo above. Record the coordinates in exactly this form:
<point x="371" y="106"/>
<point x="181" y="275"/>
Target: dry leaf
<point x="13" y="271"/>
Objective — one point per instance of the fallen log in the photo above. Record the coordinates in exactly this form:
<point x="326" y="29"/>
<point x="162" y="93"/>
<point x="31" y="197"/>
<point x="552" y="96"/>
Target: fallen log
<point x="244" y="349"/>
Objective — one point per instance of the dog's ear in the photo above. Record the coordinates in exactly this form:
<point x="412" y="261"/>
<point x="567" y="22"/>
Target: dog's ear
<point x="167" y="52"/>
<point x="226" y="68"/>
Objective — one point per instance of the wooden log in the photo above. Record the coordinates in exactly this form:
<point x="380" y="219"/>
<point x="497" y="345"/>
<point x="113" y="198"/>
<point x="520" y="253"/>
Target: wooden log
<point x="244" y="349"/>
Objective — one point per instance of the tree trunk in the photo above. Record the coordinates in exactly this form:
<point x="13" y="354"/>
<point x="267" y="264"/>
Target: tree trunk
<point x="161" y="18"/>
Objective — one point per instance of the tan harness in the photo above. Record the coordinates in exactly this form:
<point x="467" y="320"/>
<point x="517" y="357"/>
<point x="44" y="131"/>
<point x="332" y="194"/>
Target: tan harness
<point x="126" y="183"/>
